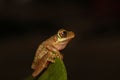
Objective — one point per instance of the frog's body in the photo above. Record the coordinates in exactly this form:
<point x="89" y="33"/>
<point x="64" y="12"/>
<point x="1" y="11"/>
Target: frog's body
<point x="49" y="50"/>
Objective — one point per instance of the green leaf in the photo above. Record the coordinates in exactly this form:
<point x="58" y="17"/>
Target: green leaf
<point x="55" y="71"/>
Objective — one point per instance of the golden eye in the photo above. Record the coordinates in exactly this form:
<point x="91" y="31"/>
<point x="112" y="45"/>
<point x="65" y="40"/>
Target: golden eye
<point x="63" y="34"/>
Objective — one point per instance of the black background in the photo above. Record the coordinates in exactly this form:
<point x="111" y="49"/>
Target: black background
<point x="94" y="54"/>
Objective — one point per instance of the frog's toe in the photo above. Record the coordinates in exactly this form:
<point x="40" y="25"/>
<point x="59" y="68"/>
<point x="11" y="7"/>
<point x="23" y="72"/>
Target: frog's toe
<point x="51" y="60"/>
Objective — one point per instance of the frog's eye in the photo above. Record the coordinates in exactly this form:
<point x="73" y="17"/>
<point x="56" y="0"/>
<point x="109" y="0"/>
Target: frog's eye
<point x="62" y="34"/>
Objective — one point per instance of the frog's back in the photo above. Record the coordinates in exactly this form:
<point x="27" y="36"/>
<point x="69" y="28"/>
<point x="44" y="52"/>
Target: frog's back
<point x="41" y="52"/>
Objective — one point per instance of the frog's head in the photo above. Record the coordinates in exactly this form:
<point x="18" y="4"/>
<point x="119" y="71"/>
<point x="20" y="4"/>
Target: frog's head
<point x="63" y="37"/>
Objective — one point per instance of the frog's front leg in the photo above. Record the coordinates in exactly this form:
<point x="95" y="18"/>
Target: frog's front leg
<point x="51" y="57"/>
<point x="55" y="51"/>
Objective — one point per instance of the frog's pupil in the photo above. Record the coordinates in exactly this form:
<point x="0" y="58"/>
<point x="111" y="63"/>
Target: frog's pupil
<point x="64" y="34"/>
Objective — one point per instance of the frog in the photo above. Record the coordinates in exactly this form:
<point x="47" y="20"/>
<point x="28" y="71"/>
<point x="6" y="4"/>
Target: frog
<point x="50" y="49"/>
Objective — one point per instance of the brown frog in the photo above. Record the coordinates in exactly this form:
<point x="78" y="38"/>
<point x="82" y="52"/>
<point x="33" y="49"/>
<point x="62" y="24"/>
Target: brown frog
<point x="50" y="49"/>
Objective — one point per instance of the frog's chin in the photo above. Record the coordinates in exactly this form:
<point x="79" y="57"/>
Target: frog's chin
<point x="62" y="45"/>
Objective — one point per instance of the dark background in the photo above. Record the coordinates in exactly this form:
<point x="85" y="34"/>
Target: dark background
<point x="94" y="54"/>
